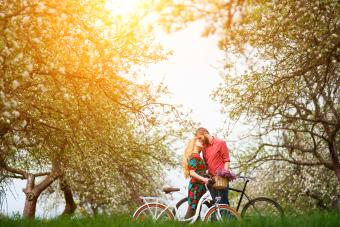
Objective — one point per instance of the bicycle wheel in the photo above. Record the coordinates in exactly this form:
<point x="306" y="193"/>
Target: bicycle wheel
<point x="226" y="214"/>
<point x="261" y="207"/>
<point x="154" y="212"/>
<point x="182" y="206"/>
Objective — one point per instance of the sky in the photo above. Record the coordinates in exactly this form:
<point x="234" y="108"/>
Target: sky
<point x="191" y="74"/>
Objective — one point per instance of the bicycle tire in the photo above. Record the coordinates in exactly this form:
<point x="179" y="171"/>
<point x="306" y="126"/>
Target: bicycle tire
<point x="144" y="208"/>
<point x="235" y="215"/>
<point x="252" y="203"/>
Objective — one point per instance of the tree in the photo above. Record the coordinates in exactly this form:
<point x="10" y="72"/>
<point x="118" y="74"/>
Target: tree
<point x="289" y="91"/>
<point x="68" y="110"/>
<point x="293" y="88"/>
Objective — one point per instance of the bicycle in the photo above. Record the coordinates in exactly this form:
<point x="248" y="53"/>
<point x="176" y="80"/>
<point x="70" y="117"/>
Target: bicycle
<point x="155" y="209"/>
<point x="260" y="206"/>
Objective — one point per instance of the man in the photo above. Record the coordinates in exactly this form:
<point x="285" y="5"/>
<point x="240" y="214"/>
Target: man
<point x="216" y="156"/>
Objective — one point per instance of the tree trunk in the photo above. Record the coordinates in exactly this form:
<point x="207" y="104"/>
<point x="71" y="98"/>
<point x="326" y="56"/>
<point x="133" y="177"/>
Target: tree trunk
<point x="70" y="205"/>
<point x="31" y="198"/>
<point x="335" y="158"/>
<point x="33" y="191"/>
<point x="337" y="172"/>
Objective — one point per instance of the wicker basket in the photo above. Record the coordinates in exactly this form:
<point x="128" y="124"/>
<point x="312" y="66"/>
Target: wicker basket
<point x="220" y="182"/>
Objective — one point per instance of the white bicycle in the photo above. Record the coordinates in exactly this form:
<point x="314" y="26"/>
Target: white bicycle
<point x="155" y="209"/>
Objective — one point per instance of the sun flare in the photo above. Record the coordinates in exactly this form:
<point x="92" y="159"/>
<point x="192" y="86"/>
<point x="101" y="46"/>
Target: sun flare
<point x="122" y="7"/>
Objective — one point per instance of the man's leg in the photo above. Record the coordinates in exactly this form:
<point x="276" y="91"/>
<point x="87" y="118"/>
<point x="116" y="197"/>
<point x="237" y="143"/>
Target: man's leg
<point x="224" y="195"/>
<point x="213" y="193"/>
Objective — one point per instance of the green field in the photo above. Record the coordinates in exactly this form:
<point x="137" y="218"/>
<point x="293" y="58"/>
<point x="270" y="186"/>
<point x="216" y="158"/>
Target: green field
<point x="318" y="219"/>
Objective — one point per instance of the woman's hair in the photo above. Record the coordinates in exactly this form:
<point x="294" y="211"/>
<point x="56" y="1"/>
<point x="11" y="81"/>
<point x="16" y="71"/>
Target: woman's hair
<point x="187" y="153"/>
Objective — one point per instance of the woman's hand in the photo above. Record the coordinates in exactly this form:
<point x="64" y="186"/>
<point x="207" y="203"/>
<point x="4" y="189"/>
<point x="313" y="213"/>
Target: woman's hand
<point x="205" y="180"/>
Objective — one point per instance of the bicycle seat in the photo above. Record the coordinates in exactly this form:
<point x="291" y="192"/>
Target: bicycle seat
<point x="170" y="189"/>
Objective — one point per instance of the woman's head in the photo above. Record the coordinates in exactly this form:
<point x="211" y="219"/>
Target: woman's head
<point x="194" y="146"/>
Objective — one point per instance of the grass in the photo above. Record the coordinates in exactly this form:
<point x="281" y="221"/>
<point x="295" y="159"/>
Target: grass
<point x="310" y="220"/>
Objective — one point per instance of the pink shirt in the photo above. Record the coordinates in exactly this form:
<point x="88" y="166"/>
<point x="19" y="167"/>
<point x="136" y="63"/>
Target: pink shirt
<point x="215" y="155"/>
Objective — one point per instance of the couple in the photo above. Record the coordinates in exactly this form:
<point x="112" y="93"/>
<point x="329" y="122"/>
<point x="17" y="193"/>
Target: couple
<point x="215" y="157"/>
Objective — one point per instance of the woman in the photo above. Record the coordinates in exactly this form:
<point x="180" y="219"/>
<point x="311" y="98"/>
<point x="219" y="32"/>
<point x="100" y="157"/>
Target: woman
<point x="195" y="167"/>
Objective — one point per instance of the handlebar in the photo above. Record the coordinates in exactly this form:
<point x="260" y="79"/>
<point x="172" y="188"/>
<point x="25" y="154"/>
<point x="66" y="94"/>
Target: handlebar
<point x="247" y="178"/>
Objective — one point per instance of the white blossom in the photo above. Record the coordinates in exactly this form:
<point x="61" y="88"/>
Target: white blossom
<point x="25" y="74"/>
<point x="16" y="113"/>
<point x="7" y="105"/>
<point x="2" y="96"/>
<point x="25" y="141"/>
<point x="52" y="11"/>
<point x="6" y="114"/>
<point x="39" y="21"/>
<point x="18" y="57"/>
<point x="25" y="19"/>
<point x="23" y="123"/>
<point x="15" y="44"/>
<point x="14" y="104"/>
<point x="42" y="88"/>
<point x="6" y="51"/>
<point x="67" y="96"/>
<point x="15" y="84"/>
<point x="61" y="70"/>
<point x="63" y="16"/>
<point x="41" y="7"/>
<point x="16" y="139"/>
<point x="30" y="67"/>
<point x="36" y="40"/>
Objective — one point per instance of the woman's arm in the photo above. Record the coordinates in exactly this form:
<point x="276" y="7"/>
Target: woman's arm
<point x="198" y="177"/>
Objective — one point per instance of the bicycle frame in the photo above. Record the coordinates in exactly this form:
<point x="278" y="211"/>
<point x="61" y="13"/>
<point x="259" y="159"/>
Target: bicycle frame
<point x="194" y="218"/>
<point x="159" y="200"/>
<point x="243" y="193"/>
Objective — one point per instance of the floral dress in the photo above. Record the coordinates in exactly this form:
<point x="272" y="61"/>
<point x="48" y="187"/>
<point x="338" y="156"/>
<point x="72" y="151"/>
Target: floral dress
<point x="196" y="187"/>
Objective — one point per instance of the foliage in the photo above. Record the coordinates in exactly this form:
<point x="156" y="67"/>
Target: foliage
<point x="68" y="107"/>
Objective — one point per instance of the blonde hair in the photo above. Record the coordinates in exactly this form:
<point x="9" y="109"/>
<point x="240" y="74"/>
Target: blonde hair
<point x="189" y="150"/>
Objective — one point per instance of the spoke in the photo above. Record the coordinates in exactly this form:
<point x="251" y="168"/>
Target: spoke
<point x="155" y="216"/>
<point x="160" y="214"/>
<point x="257" y="210"/>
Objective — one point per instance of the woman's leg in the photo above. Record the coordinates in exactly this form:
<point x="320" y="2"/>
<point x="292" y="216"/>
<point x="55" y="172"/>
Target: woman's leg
<point x="190" y="212"/>
<point x="192" y="200"/>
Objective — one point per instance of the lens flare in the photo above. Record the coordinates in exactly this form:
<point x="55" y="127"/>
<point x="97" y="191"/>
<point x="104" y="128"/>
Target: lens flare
<point x="122" y="7"/>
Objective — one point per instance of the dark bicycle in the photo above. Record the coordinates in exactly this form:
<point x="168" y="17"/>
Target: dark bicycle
<point x="260" y="206"/>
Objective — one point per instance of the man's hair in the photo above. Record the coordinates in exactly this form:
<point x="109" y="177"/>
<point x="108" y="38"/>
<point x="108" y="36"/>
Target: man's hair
<point x="201" y="131"/>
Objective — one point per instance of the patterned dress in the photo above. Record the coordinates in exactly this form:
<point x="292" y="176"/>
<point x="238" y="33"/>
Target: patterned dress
<point x="196" y="187"/>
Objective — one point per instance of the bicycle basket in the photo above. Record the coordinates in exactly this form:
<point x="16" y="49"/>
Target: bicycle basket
<point x="220" y="182"/>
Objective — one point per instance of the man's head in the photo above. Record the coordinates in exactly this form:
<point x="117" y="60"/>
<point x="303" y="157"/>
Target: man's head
<point x="202" y="134"/>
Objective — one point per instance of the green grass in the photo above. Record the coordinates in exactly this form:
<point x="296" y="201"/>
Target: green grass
<point x="310" y="220"/>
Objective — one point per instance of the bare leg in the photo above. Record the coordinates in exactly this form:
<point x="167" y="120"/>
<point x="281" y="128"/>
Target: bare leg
<point x="190" y="213"/>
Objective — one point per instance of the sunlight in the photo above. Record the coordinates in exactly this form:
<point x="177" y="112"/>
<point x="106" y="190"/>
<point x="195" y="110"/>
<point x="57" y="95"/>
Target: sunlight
<point x="122" y="7"/>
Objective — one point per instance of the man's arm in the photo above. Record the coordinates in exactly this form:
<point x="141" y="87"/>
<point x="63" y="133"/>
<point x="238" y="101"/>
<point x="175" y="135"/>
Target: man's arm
<point x="225" y="155"/>
<point x="226" y="165"/>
